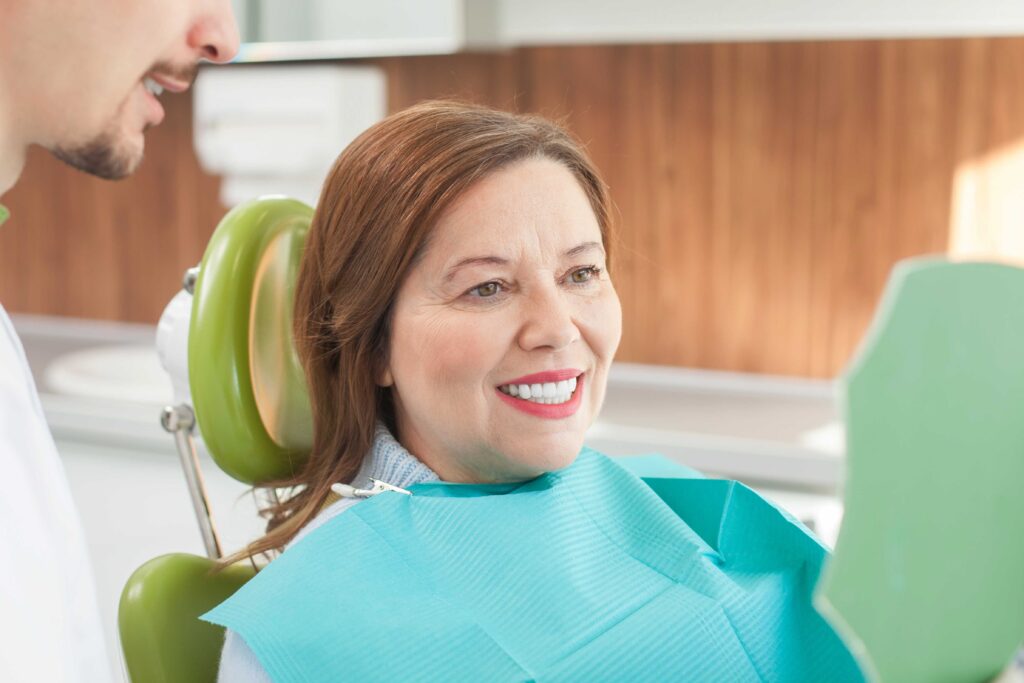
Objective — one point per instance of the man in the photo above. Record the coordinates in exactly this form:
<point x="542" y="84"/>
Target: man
<point x="82" y="80"/>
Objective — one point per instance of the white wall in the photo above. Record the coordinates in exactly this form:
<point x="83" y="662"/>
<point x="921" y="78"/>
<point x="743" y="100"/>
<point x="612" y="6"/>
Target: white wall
<point x="532" y="22"/>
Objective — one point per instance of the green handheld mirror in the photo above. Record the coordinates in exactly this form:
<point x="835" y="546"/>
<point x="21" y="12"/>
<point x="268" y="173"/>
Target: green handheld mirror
<point x="927" y="580"/>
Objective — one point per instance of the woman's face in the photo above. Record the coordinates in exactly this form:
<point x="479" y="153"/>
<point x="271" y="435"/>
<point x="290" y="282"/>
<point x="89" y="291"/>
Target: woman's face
<point x="512" y="292"/>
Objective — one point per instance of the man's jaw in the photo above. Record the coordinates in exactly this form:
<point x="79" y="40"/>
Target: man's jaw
<point x="110" y="154"/>
<point x="104" y="156"/>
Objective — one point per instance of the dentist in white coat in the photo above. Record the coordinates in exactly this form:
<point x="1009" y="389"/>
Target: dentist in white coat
<point x="79" y="79"/>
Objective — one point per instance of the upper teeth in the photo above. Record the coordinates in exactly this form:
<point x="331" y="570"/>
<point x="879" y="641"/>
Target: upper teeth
<point x="548" y="392"/>
<point x="152" y="86"/>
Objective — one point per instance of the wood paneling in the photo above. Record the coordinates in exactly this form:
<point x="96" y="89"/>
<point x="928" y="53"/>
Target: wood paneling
<point x="764" y="190"/>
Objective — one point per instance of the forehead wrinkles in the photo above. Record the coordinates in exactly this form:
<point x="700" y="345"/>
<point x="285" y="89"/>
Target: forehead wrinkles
<point x="526" y="212"/>
<point x="514" y="249"/>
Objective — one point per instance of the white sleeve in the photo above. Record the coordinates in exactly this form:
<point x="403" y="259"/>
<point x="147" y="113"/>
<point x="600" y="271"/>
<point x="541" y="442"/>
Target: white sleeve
<point x="238" y="663"/>
<point x="50" y="625"/>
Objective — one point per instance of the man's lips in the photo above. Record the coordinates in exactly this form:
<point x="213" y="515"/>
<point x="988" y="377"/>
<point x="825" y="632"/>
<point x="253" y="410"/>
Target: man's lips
<point x="546" y="376"/>
<point x="168" y="83"/>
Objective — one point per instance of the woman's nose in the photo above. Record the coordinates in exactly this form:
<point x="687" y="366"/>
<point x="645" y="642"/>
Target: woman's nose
<point x="215" y="34"/>
<point x="548" y="322"/>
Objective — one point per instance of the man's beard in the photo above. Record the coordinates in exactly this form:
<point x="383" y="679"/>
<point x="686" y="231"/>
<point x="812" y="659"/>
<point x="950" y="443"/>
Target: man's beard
<point x="102" y="157"/>
<point x="106" y="156"/>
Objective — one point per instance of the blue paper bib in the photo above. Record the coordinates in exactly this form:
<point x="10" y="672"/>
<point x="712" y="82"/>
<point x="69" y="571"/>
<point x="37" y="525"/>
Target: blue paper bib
<point x="585" y="574"/>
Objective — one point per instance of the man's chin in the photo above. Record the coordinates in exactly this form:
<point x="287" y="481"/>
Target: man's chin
<point x="104" y="157"/>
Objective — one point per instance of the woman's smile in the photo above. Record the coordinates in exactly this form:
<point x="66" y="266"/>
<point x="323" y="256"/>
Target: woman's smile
<point x="554" y="394"/>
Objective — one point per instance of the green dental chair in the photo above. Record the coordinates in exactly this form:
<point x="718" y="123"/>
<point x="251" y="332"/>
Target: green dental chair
<point x="927" y="583"/>
<point x="248" y="396"/>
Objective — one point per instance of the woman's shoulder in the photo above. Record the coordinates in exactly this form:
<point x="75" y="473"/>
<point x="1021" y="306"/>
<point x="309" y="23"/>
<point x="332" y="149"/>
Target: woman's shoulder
<point x="327" y="514"/>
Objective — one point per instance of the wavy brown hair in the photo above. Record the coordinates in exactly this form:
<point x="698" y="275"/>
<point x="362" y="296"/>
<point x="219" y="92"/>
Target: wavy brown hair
<point x="378" y="206"/>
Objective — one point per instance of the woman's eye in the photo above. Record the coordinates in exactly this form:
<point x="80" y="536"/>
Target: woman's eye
<point x="583" y="275"/>
<point x="486" y="290"/>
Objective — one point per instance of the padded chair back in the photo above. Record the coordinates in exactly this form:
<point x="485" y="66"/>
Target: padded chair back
<point x="162" y="638"/>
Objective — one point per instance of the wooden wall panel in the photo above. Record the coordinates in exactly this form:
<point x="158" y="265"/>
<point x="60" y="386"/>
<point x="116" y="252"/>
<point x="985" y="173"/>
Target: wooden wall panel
<point x="491" y="79"/>
<point x="764" y="190"/>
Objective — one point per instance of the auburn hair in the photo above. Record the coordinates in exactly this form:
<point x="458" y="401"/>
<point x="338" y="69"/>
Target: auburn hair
<point x="377" y="208"/>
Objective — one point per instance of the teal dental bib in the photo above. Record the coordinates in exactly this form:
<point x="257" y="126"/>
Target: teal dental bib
<point x="585" y="574"/>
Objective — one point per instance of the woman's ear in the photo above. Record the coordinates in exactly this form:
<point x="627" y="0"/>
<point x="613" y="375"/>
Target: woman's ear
<point x="382" y="372"/>
<point x="382" y="358"/>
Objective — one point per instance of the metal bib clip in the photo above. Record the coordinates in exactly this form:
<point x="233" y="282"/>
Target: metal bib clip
<point x="349" y="491"/>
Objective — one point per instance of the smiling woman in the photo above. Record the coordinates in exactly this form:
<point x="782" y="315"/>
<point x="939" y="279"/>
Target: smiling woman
<point x="455" y="250"/>
<point x="456" y="322"/>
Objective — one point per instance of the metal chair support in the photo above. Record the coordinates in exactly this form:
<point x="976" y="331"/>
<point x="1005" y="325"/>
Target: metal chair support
<point x="180" y="421"/>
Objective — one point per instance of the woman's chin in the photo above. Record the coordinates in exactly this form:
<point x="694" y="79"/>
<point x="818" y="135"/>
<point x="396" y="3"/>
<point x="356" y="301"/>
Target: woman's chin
<point x="537" y="456"/>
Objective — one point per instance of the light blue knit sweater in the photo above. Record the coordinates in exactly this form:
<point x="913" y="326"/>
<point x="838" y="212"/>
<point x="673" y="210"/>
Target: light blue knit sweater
<point x="387" y="461"/>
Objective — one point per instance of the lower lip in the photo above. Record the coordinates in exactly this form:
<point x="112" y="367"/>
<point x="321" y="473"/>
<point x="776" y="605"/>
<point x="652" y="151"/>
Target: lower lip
<point x="557" y="411"/>
<point x="156" y="110"/>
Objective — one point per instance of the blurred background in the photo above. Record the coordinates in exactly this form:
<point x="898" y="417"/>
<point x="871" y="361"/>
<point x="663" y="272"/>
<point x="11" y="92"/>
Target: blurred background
<point x="770" y="163"/>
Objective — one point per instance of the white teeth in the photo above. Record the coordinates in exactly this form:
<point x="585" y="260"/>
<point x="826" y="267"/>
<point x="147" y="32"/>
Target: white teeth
<point x="152" y="86"/>
<point x="547" y="393"/>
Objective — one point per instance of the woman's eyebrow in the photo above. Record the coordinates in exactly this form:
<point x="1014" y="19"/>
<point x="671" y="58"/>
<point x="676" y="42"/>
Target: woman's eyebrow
<point x="586" y="246"/>
<point x="500" y="261"/>
<point x="474" y="261"/>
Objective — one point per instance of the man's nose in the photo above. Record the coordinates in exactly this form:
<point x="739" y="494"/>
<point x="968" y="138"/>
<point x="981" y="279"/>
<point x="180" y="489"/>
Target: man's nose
<point x="548" y="322"/>
<point x="215" y="34"/>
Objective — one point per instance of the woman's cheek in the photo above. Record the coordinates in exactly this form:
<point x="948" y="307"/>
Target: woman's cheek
<point x="464" y="349"/>
<point x="602" y="319"/>
<point x="615" y="317"/>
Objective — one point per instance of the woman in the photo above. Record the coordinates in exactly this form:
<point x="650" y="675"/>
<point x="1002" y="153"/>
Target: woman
<point x="456" y="320"/>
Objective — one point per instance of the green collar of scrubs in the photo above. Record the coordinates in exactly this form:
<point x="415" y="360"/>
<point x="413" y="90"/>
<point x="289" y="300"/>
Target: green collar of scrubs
<point x="4" y="214"/>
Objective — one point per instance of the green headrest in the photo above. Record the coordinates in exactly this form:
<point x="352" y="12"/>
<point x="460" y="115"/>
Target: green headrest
<point x="248" y="388"/>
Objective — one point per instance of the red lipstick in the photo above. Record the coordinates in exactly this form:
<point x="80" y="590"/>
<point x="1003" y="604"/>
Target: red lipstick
<point x="546" y="376"/>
